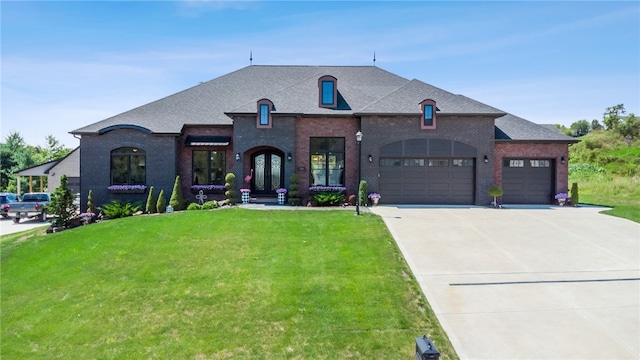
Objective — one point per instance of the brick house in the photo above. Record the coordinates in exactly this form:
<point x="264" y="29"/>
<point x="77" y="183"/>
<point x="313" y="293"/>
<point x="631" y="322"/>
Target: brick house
<point x="421" y="144"/>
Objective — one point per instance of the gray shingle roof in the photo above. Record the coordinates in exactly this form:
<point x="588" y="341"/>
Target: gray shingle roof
<point x="294" y="90"/>
<point x="511" y="127"/>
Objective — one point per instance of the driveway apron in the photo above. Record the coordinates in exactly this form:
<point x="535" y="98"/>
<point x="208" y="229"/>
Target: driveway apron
<point x="526" y="283"/>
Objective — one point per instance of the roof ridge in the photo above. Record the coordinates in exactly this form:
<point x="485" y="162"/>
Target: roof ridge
<point x="273" y="92"/>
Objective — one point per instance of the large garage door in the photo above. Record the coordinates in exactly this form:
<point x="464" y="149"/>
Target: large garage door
<point x="422" y="171"/>
<point x="527" y="181"/>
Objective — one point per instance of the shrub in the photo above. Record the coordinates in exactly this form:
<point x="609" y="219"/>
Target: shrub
<point x="161" y="205"/>
<point x="495" y="191"/>
<point x="119" y="209"/>
<point x="329" y="198"/>
<point x="585" y="170"/>
<point x="363" y="190"/>
<point x="61" y="204"/>
<point x="194" y="206"/>
<point x="91" y="208"/>
<point x="230" y="185"/>
<point x="328" y="195"/>
<point x="575" y="197"/>
<point x="151" y="202"/>
<point x="177" y="201"/>
<point x="294" y="190"/>
<point x="209" y="205"/>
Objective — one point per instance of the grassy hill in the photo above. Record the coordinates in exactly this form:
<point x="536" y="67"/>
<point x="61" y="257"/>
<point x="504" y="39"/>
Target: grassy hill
<point x="606" y="167"/>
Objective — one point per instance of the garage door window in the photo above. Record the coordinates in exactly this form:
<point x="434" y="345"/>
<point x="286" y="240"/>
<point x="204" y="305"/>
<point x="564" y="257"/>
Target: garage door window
<point x="438" y="162"/>
<point x="462" y="162"/>
<point x="513" y="163"/>
<point x="539" y="163"/>
<point x="389" y="162"/>
<point x="413" y="162"/>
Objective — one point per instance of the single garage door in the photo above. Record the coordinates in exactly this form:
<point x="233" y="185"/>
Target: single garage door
<point x="527" y="181"/>
<point x="427" y="171"/>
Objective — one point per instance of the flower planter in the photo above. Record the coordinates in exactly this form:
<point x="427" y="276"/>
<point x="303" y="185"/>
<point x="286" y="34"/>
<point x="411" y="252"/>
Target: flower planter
<point x="217" y="189"/>
<point x="127" y="189"/>
<point x="132" y="191"/>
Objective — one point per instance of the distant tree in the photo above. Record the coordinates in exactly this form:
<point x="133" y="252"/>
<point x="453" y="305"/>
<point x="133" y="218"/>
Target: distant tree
<point x="14" y="156"/>
<point x="630" y="127"/>
<point x="580" y="128"/>
<point x="595" y="125"/>
<point x="54" y="150"/>
<point x="563" y="129"/>
<point x="611" y="116"/>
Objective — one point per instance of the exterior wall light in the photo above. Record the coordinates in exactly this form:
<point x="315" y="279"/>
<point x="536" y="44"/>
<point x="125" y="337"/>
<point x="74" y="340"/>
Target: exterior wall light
<point x="237" y="156"/>
<point x="562" y="160"/>
<point x="370" y="158"/>
<point x="289" y="157"/>
<point x="486" y="159"/>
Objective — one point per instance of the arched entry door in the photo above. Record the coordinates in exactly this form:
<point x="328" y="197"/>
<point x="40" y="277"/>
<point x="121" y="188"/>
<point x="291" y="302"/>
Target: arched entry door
<point x="268" y="172"/>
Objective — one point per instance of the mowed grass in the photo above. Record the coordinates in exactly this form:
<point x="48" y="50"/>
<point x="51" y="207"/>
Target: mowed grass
<point x="225" y="284"/>
<point x="621" y="193"/>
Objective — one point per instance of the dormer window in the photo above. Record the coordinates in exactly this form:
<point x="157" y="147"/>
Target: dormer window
<point x="328" y="91"/>
<point x="428" y="108"/>
<point x="263" y="118"/>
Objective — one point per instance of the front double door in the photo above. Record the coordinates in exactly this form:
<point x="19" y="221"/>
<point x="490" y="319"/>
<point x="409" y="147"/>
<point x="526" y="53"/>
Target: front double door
<point x="268" y="172"/>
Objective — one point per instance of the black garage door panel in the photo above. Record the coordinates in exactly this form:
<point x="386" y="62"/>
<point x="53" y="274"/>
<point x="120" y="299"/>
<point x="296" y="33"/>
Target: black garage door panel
<point x="406" y="175"/>
<point x="428" y="185"/>
<point x="527" y="181"/>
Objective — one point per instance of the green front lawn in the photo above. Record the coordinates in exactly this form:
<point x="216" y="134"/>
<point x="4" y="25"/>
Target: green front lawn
<point x="224" y="284"/>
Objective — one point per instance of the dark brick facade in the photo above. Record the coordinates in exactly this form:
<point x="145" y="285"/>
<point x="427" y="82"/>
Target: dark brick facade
<point x="477" y="132"/>
<point x="185" y="153"/>
<point x="248" y="139"/>
<point x="95" y="164"/>
<point x="168" y="156"/>
<point x="326" y="127"/>
<point x="555" y="151"/>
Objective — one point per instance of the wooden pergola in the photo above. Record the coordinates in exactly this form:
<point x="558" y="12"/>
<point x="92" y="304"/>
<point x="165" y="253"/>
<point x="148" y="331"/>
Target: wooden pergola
<point x="39" y="171"/>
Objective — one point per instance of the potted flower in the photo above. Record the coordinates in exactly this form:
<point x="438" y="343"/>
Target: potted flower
<point x="375" y="197"/>
<point x="245" y="195"/>
<point x="282" y="192"/>
<point x="562" y="198"/>
<point x="87" y="217"/>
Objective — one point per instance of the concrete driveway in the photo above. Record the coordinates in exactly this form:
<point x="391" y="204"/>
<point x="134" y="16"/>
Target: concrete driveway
<point x="8" y="227"/>
<point x="526" y="283"/>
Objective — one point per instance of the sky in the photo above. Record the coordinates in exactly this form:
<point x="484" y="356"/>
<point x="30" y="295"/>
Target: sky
<point x="67" y="64"/>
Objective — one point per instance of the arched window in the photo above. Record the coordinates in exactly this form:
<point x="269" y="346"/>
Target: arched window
<point x="328" y="96"/>
<point x="128" y="166"/>
<point x="428" y="108"/>
<point x="263" y="119"/>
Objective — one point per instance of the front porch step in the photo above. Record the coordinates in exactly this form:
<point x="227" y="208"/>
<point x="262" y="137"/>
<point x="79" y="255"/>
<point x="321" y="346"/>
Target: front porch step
<point x="264" y="199"/>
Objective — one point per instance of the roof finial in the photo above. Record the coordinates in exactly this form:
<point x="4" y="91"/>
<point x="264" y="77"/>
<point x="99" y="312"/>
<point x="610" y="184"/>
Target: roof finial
<point x="374" y="58"/>
<point x="250" y="57"/>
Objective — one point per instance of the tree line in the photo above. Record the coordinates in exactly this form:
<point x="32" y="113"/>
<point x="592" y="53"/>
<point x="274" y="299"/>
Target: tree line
<point x="16" y="155"/>
<point x="613" y="120"/>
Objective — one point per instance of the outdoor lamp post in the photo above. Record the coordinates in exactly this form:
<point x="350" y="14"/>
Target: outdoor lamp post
<point x="359" y="141"/>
